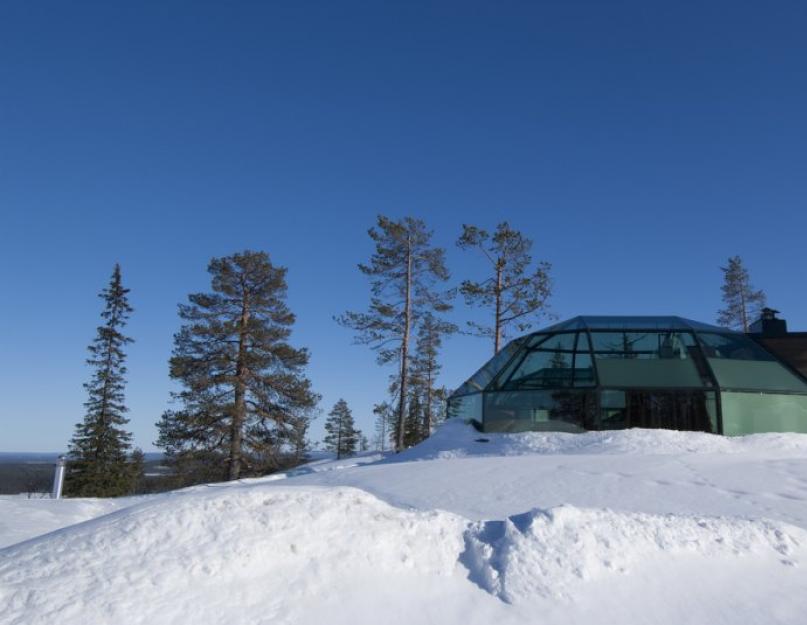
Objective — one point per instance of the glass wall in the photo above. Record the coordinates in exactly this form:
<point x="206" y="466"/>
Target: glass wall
<point x="556" y="361"/>
<point x="747" y="413"/>
<point x="556" y="411"/>
<point x="482" y="378"/>
<point x="739" y="363"/>
<point x="466" y="407"/>
<point x="674" y="410"/>
<point x="648" y="359"/>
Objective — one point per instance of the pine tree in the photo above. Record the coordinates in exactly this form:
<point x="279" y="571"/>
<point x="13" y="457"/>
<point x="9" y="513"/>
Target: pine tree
<point x="426" y="366"/>
<point x="742" y="302"/>
<point x="384" y="425"/>
<point x="341" y="435"/>
<point x="246" y="400"/>
<point x="403" y="271"/>
<point x="97" y="462"/>
<point x="514" y="293"/>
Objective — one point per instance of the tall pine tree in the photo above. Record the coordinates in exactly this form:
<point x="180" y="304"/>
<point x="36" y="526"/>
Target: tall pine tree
<point x="98" y="465"/>
<point x="514" y="293"/>
<point x="403" y="271"/>
<point x="246" y="400"/>
<point x="426" y="367"/>
<point x="341" y="435"/>
<point x="742" y="302"/>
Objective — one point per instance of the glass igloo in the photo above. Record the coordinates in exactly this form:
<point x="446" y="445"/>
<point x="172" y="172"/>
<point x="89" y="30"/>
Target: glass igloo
<point x="604" y="373"/>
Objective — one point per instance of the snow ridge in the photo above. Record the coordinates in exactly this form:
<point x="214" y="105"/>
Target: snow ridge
<point x="547" y="553"/>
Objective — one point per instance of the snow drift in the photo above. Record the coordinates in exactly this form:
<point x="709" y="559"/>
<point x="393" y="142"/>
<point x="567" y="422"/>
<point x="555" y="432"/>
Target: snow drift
<point x="264" y="553"/>
<point x="629" y="527"/>
<point x="205" y="557"/>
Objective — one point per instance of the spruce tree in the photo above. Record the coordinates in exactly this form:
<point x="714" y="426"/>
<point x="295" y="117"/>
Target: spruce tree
<point x="98" y="465"/>
<point x="246" y="401"/>
<point x="514" y="293"/>
<point x="404" y="271"/>
<point x="137" y="469"/>
<point x="426" y="366"/>
<point x="742" y="302"/>
<point x="341" y="436"/>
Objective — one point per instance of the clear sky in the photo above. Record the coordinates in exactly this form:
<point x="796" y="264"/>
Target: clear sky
<point x="640" y="144"/>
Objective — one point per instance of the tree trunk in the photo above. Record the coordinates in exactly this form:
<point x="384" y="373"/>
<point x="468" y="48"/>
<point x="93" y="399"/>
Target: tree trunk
<point x="339" y="440"/>
<point x="399" y="434"/>
<point x="743" y="311"/>
<point x="239" y="409"/>
<point x="497" y="328"/>
<point x="428" y="428"/>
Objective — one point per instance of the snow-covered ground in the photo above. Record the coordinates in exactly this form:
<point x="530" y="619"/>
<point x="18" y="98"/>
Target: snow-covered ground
<point x="625" y="527"/>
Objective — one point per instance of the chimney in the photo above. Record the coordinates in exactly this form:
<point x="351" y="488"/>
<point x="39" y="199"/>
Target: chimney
<point x="768" y="325"/>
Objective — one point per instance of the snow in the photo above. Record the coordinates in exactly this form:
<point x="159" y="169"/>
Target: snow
<point x="637" y="526"/>
<point x="22" y="518"/>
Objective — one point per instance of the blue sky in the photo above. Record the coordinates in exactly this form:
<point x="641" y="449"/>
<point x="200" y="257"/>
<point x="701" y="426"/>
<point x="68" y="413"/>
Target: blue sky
<point x="640" y="144"/>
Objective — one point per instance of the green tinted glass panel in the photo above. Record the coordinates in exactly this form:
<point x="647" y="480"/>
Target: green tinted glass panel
<point x="583" y="344"/>
<point x="648" y="373"/>
<point x="465" y="407"/>
<point x="479" y="380"/>
<point x="732" y="347"/>
<point x="536" y="339"/>
<point x="564" y="342"/>
<point x="666" y="345"/>
<point x="556" y="411"/>
<point x="553" y="364"/>
<point x="542" y="369"/>
<point x="583" y="370"/>
<point x="748" y="413"/>
<point x="755" y="374"/>
<point x="647" y="359"/>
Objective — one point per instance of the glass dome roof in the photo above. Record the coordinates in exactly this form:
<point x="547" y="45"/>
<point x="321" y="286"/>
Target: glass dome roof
<point x="632" y="322"/>
<point x="663" y="351"/>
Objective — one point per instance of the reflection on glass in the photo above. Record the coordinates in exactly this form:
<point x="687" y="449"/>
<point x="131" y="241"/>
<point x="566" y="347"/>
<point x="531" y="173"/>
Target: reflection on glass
<point x="466" y="407"/>
<point x="564" y="411"/>
<point x="674" y="410"/>
<point x="732" y="347"/>
<point x="556" y="362"/>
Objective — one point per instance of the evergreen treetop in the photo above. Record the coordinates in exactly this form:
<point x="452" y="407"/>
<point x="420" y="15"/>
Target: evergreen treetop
<point x="404" y="272"/>
<point x="246" y="401"/>
<point x="515" y="293"/>
<point x="742" y="302"/>
<point x="341" y="435"/>
<point x="98" y="464"/>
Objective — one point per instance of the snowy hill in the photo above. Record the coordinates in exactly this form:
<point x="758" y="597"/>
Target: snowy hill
<point x="607" y="527"/>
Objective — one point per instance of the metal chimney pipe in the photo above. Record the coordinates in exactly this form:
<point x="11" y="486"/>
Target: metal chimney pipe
<point x="58" y="478"/>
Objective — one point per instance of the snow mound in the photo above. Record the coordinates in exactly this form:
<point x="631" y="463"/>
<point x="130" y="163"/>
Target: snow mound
<point x="21" y="518"/>
<point x="457" y="439"/>
<point x="256" y="553"/>
<point x="551" y="553"/>
<point x="266" y="553"/>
